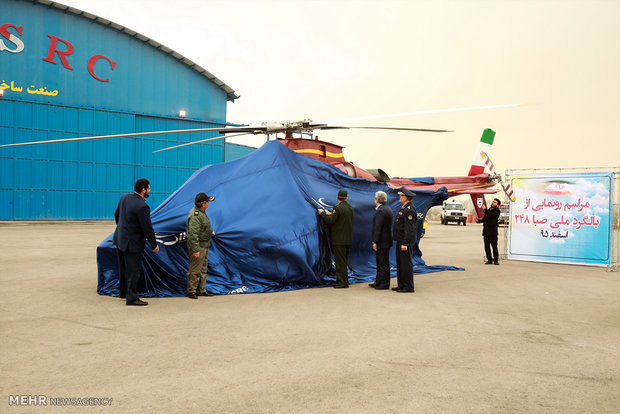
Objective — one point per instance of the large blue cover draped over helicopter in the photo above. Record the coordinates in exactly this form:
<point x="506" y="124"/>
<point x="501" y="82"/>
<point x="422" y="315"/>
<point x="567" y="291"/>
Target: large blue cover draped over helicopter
<point x="268" y="235"/>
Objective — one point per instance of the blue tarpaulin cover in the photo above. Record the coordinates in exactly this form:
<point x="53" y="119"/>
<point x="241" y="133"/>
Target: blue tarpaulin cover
<point x="268" y="235"/>
<point x="425" y="180"/>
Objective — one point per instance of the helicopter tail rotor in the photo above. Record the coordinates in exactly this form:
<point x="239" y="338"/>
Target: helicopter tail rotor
<point x="496" y="176"/>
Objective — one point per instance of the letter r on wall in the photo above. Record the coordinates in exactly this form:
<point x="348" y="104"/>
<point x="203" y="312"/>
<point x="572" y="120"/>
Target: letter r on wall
<point x="61" y="54"/>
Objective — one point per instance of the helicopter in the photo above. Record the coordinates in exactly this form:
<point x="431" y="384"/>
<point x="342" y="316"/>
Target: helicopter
<point x="265" y="246"/>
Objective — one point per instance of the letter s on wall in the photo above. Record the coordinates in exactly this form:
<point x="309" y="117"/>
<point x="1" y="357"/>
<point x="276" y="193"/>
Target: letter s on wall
<point x="4" y="31"/>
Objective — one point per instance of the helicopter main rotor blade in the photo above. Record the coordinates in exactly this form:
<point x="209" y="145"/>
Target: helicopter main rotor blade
<point x="432" y="111"/>
<point x="326" y="127"/>
<point x="202" y="140"/>
<point x="405" y="129"/>
<point x="274" y="128"/>
<point x="249" y="130"/>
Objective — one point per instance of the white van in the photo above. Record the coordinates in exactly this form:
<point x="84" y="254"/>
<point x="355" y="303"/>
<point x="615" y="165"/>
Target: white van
<point x="453" y="211"/>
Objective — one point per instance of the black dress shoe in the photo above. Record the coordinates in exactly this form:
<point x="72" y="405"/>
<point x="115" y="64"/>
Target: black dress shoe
<point x="488" y="262"/>
<point x="405" y="291"/>
<point x="372" y="285"/>
<point x="205" y="293"/>
<point x="138" y="302"/>
<point x="382" y="287"/>
<point x="192" y="296"/>
<point x="496" y="262"/>
<point x="396" y="288"/>
<point x="341" y="287"/>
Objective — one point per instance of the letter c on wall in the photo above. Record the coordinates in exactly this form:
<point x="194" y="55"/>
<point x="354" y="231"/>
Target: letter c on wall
<point x="91" y="66"/>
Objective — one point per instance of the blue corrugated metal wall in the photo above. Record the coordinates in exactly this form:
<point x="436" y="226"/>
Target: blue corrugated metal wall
<point x="144" y="80"/>
<point x="85" y="180"/>
<point x="236" y="151"/>
<point x="145" y="92"/>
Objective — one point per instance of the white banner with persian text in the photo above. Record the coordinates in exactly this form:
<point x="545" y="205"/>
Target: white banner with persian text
<point x="561" y="218"/>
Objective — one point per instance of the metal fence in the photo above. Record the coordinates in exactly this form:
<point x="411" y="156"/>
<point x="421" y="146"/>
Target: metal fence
<point x="615" y="194"/>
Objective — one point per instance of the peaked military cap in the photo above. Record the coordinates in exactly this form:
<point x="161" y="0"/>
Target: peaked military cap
<point x="406" y="192"/>
<point x="343" y="193"/>
<point x="202" y="197"/>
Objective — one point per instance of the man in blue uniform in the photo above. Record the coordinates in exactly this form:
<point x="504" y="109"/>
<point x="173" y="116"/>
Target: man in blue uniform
<point x="133" y="226"/>
<point x="405" y="228"/>
<point x="341" y="223"/>
<point x="382" y="240"/>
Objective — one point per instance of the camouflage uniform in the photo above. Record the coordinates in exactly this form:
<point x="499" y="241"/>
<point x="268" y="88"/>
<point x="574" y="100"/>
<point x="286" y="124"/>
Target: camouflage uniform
<point x="199" y="233"/>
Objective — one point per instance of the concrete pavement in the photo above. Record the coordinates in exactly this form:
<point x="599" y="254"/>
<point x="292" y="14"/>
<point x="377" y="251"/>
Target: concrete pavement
<point x="519" y="337"/>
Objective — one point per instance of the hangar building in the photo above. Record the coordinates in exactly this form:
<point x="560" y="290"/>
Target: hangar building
<point x="66" y="73"/>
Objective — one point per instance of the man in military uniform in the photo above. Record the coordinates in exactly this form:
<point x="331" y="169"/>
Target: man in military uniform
<point x="341" y="223"/>
<point x="199" y="233"/>
<point x="405" y="229"/>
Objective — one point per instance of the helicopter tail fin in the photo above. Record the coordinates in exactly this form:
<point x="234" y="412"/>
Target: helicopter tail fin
<point x="478" y="163"/>
<point x="477" y="167"/>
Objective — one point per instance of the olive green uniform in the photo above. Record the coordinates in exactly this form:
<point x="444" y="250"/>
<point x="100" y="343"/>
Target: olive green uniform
<point x="199" y="234"/>
<point x="341" y="223"/>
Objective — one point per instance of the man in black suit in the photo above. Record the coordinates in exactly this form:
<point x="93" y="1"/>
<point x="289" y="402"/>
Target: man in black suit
<point x="489" y="231"/>
<point x="133" y="226"/>
<point x="405" y="229"/>
<point x="382" y="240"/>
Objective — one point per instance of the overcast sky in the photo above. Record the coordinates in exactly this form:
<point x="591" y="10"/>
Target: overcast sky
<point x="331" y="60"/>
